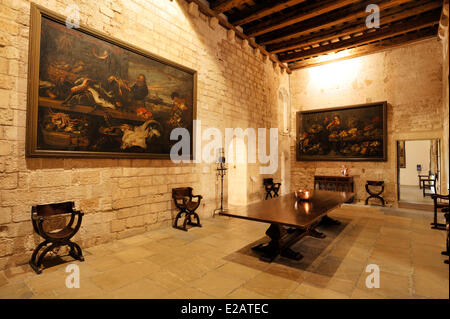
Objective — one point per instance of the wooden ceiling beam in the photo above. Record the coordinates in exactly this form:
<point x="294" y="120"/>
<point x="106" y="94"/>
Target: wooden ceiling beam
<point x="390" y="15"/>
<point x="443" y="22"/>
<point x="251" y="15"/>
<point x="223" y="22"/>
<point x="378" y="34"/>
<point x="220" y="6"/>
<point x="311" y="11"/>
<point x="370" y="48"/>
<point x="332" y="20"/>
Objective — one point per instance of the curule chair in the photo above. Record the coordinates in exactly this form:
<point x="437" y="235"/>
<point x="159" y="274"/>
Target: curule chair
<point x="270" y="187"/>
<point x="439" y="205"/>
<point x="375" y="194"/>
<point x="61" y="237"/>
<point x="182" y="198"/>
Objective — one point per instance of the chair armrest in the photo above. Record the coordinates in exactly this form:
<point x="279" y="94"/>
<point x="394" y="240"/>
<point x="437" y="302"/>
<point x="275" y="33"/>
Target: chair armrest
<point x="438" y="196"/>
<point x="180" y="202"/>
<point x="199" y="197"/>
<point x="35" y="217"/>
<point x="426" y="183"/>
<point x="79" y="213"/>
<point x="39" y="228"/>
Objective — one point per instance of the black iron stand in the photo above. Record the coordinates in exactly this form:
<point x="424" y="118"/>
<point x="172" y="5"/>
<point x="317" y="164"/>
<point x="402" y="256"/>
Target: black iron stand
<point x="221" y="172"/>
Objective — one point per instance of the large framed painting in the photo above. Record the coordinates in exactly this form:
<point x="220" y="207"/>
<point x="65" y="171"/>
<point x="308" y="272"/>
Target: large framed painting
<point x="90" y="95"/>
<point x="351" y="133"/>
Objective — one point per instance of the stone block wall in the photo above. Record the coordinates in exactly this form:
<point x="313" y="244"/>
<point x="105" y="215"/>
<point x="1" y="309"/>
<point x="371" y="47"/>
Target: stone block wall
<point x="123" y="197"/>
<point x="446" y="115"/>
<point x="409" y="78"/>
<point x="237" y="87"/>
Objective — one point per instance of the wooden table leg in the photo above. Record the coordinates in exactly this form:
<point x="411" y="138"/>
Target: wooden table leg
<point x="281" y="241"/>
<point x="326" y="220"/>
<point x="272" y="249"/>
<point x="316" y="234"/>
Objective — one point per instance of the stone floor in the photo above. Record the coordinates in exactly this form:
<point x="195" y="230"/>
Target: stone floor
<point x="216" y="261"/>
<point x="413" y="194"/>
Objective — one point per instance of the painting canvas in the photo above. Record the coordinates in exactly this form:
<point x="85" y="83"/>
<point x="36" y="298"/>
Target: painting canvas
<point x="401" y="154"/>
<point x="353" y="133"/>
<point x="90" y="95"/>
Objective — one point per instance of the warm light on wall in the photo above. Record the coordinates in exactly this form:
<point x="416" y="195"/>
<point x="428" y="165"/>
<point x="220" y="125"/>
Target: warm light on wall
<point x="333" y="56"/>
<point x="335" y="73"/>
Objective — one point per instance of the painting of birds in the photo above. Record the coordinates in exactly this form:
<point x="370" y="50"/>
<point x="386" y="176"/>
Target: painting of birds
<point x="138" y="135"/>
<point x="121" y="97"/>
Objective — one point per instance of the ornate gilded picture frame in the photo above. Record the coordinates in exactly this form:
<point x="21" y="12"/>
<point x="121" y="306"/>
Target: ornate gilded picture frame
<point x="350" y="133"/>
<point x="90" y="95"/>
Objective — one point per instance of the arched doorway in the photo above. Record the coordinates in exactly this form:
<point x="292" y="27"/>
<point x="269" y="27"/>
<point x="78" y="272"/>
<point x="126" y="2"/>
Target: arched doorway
<point x="237" y="172"/>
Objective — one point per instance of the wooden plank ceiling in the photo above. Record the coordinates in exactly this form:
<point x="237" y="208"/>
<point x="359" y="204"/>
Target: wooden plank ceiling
<point x="303" y="33"/>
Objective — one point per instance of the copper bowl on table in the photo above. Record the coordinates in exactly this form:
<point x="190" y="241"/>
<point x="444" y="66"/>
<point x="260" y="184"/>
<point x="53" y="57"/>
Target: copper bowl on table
<point x="303" y="194"/>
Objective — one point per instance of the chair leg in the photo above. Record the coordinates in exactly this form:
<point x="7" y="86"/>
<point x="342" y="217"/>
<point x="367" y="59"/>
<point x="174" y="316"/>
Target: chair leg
<point x="435" y="214"/>
<point x="75" y="251"/>
<point x="435" y="224"/>
<point x="191" y="223"/>
<point x="33" y="261"/>
<point x="438" y="226"/>
<point x="175" y="224"/>
<point x="38" y="266"/>
<point x="186" y="218"/>
<point x="381" y="199"/>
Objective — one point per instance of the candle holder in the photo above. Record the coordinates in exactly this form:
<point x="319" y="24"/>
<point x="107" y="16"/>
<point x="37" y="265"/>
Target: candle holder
<point x="303" y="194"/>
<point x="221" y="171"/>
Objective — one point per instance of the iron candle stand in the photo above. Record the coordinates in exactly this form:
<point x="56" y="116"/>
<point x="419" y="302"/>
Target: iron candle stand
<point x="221" y="172"/>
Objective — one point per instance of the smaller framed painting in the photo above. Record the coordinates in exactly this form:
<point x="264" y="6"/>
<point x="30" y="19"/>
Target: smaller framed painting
<point x="401" y="153"/>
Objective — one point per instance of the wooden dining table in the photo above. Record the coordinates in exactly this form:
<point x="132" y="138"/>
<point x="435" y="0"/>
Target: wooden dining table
<point x="290" y="220"/>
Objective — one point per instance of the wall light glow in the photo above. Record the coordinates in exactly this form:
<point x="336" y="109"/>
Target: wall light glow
<point x="334" y="73"/>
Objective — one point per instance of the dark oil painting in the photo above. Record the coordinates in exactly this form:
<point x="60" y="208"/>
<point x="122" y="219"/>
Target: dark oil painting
<point x="99" y="98"/>
<point x="401" y="154"/>
<point x="355" y="133"/>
